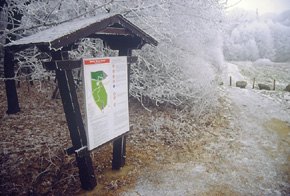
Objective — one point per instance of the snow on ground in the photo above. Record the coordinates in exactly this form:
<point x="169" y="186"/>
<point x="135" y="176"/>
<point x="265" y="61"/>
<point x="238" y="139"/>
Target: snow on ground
<point x="250" y="154"/>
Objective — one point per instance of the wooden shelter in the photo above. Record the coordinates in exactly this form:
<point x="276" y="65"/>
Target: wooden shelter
<point x="118" y="33"/>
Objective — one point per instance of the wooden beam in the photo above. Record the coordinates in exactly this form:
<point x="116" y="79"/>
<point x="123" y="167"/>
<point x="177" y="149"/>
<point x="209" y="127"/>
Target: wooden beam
<point x="49" y="65"/>
<point x="68" y="64"/>
<point x="72" y="64"/>
<point x="11" y="93"/>
<point x="115" y="31"/>
<point x="115" y="42"/>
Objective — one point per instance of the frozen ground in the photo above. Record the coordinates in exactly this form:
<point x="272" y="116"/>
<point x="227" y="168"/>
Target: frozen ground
<point x="249" y="155"/>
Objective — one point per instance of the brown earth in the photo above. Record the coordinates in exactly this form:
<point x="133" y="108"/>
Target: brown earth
<point x="32" y="143"/>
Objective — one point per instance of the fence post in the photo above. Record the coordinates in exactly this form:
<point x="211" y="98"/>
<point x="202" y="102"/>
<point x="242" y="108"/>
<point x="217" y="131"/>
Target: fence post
<point x="274" y="85"/>
<point x="230" y="80"/>
<point x="254" y="83"/>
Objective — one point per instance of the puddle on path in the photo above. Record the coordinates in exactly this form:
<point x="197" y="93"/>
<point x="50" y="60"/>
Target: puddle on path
<point x="280" y="127"/>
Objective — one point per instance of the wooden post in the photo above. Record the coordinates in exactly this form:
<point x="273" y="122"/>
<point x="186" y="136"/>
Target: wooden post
<point x="230" y="80"/>
<point x="119" y="145"/>
<point x="118" y="153"/>
<point x="274" y="88"/>
<point x="11" y="93"/>
<point x="76" y="127"/>
<point x="254" y="83"/>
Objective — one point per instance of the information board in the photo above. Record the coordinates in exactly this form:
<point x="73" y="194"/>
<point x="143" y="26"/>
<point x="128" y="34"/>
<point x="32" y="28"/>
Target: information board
<point x="105" y="84"/>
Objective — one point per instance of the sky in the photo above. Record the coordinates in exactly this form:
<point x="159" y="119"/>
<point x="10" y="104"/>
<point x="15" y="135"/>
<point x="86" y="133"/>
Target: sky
<point x="264" y="6"/>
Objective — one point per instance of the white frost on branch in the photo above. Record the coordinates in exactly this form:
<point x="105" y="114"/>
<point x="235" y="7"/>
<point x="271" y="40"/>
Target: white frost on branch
<point x="181" y="70"/>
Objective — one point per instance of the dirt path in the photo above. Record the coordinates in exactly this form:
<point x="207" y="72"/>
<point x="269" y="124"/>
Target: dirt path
<point x="249" y="155"/>
<point x="264" y="137"/>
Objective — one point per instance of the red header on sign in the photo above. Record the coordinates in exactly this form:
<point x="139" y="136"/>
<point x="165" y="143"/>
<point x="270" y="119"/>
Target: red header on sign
<point x="96" y="61"/>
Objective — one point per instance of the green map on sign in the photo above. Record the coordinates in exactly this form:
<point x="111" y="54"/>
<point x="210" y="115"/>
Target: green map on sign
<point x="99" y="92"/>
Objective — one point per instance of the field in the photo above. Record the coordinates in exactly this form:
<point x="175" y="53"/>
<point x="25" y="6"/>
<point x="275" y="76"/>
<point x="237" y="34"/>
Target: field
<point x="266" y="72"/>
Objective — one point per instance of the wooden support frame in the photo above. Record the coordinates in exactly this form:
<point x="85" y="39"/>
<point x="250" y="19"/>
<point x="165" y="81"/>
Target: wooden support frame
<point x="76" y="127"/>
<point x="74" y="119"/>
<point x="116" y="32"/>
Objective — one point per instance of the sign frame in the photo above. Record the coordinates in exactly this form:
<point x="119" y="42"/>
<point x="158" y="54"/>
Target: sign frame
<point x="105" y="89"/>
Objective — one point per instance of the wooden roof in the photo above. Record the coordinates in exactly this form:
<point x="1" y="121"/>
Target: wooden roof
<point x="115" y="30"/>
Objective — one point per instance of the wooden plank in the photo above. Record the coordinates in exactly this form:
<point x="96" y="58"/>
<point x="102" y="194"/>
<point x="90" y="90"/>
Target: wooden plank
<point x="68" y="64"/>
<point x="115" y="42"/>
<point x="76" y="107"/>
<point x="68" y="106"/>
<point x="49" y="65"/>
<point x="73" y="64"/>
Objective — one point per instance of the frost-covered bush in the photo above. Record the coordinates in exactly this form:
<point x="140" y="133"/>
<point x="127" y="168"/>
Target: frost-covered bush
<point x="263" y="62"/>
<point x="30" y="59"/>
<point x="181" y="82"/>
<point x="180" y="71"/>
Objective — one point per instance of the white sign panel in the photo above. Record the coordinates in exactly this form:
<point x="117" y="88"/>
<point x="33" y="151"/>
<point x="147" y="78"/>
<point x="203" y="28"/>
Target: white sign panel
<point x="106" y="99"/>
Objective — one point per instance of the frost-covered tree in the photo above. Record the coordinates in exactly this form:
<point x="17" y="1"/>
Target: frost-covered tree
<point x="283" y="18"/>
<point x="280" y="30"/>
<point x="263" y="39"/>
<point x="253" y="38"/>
<point x="281" y="39"/>
<point x="181" y="70"/>
<point x="251" y="41"/>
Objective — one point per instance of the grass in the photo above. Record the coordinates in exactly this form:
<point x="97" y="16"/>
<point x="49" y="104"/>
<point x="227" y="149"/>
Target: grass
<point x="266" y="74"/>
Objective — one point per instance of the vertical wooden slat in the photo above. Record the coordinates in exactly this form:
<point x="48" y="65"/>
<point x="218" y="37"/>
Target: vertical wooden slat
<point x="68" y="108"/>
<point x="11" y="93"/>
<point x="76" y="107"/>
